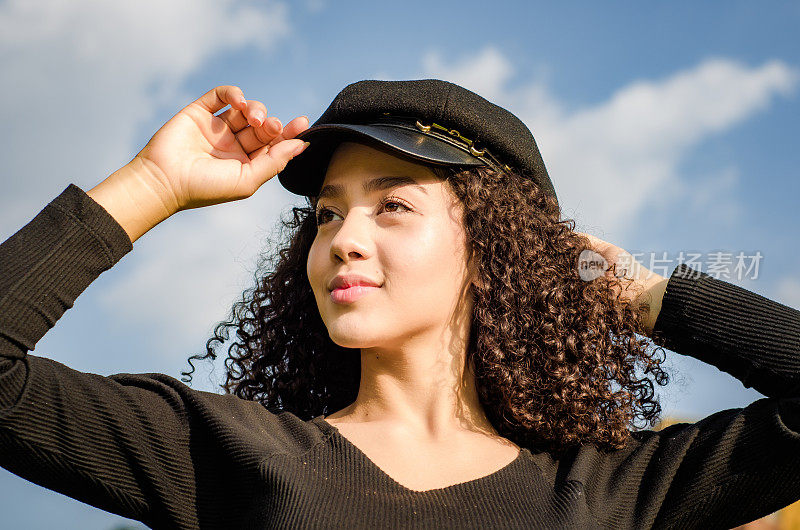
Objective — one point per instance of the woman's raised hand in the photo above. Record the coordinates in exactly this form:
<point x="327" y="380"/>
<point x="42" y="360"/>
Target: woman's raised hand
<point x="198" y="159"/>
<point x="639" y="284"/>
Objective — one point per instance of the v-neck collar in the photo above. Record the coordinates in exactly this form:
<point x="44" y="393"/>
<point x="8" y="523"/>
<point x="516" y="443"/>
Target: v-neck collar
<point x="332" y="431"/>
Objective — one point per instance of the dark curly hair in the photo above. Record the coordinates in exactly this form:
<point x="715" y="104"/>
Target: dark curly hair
<point x="554" y="356"/>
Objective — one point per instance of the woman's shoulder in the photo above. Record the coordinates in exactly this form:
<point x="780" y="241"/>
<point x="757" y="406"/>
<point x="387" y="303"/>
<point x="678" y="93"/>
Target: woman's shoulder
<point x="158" y="398"/>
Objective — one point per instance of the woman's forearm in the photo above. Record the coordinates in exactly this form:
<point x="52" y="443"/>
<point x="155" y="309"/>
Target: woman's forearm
<point x="133" y="199"/>
<point x="654" y="296"/>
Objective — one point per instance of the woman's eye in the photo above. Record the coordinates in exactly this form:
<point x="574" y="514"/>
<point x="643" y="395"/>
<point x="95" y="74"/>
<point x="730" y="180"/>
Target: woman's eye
<point x="390" y="201"/>
<point x="389" y="205"/>
<point x="322" y="216"/>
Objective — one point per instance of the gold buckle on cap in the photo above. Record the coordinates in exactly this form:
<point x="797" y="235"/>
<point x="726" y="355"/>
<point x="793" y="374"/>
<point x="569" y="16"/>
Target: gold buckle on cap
<point x="451" y="132"/>
<point x="455" y="135"/>
<point x="474" y="151"/>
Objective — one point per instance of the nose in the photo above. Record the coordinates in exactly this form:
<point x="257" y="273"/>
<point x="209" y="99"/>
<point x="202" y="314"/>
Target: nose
<point x="353" y="239"/>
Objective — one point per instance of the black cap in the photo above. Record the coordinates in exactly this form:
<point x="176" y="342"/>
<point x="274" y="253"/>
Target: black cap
<point x="429" y="120"/>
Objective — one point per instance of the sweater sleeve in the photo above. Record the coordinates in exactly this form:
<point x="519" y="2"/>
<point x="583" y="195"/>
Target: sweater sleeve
<point x="735" y="465"/>
<point x="752" y="338"/>
<point x="143" y="446"/>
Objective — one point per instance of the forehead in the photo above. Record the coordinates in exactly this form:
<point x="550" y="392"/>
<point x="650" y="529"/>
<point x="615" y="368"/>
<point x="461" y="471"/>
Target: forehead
<point x="356" y="167"/>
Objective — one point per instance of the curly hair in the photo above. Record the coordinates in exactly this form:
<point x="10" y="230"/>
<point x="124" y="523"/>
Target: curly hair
<point x="554" y="356"/>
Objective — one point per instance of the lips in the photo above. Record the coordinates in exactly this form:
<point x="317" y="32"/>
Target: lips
<point x="343" y="281"/>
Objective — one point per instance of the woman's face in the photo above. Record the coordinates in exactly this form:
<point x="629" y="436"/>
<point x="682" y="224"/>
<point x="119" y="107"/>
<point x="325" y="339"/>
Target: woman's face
<point x="396" y="223"/>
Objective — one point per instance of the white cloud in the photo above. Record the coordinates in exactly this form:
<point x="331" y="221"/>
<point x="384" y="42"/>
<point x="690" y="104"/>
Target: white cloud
<point x="82" y="76"/>
<point x="608" y="162"/>
<point x="714" y="197"/>
<point x="188" y="271"/>
<point x="485" y="74"/>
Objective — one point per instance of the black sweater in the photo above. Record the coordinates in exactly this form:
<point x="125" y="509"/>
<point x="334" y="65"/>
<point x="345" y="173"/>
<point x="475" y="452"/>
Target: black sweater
<point x="148" y="447"/>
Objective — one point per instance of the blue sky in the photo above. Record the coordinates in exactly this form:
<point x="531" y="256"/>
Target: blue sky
<point x="666" y="128"/>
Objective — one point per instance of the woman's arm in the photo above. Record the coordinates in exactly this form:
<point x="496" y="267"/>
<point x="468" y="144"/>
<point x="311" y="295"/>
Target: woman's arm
<point x="47" y="263"/>
<point x="637" y="284"/>
<point x="130" y="196"/>
<point x="746" y="335"/>
<point x="44" y="408"/>
<point x="99" y="440"/>
<point x="143" y="446"/>
<point x="733" y="466"/>
<point x="654" y="295"/>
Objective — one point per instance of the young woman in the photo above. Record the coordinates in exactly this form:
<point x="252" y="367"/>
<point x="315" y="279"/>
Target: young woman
<point x="424" y="352"/>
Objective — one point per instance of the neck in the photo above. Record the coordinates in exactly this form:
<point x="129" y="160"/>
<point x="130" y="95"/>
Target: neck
<point x="428" y="391"/>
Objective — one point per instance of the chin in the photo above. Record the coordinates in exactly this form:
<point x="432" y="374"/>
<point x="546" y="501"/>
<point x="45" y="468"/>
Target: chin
<point x="352" y="344"/>
<point x="351" y="336"/>
<point x="350" y="340"/>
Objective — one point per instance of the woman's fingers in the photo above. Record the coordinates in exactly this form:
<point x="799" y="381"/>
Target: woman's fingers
<point x="635" y="276"/>
<point x="237" y="119"/>
<point x="611" y="252"/>
<point x="263" y="131"/>
<point x="220" y="96"/>
<point x="256" y="140"/>
<point x="295" y="127"/>
<point x="597" y="245"/>
<point x="291" y="129"/>
<point x="249" y="136"/>
<point x="256" y="113"/>
<point x="253" y="138"/>
<point x="234" y="118"/>
<point x="288" y="132"/>
<point x="268" y="161"/>
<point x="615" y="257"/>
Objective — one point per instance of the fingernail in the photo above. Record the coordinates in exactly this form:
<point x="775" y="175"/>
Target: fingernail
<point x="259" y="117"/>
<point x="301" y="148"/>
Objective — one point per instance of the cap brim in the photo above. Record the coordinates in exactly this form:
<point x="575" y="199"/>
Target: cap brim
<point x="304" y="174"/>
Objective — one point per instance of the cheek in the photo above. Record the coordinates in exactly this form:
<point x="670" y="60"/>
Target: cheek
<point x="315" y="268"/>
<point x="427" y="263"/>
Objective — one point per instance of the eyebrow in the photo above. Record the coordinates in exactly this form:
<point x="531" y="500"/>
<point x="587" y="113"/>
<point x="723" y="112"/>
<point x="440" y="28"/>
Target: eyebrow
<point x="371" y="186"/>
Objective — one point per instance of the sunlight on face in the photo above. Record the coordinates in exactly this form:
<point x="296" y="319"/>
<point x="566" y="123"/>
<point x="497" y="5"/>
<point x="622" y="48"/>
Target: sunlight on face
<point x="408" y="238"/>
